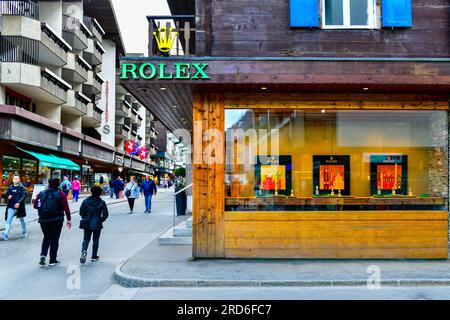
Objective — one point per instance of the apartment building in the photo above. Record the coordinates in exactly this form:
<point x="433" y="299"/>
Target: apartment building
<point x="58" y="93"/>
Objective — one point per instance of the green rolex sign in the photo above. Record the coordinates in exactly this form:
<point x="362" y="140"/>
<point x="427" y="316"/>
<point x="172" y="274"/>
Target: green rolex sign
<point x="148" y="71"/>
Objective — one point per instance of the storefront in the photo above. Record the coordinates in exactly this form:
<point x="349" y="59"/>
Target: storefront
<point x="33" y="168"/>
<point x="295" y="159"/>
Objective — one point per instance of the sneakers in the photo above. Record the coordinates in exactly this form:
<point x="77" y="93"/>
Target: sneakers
<point x="95" y="259"/>
<point x="54" y="263"/>
<point x="42" y="261"/>
<point x="25" y="235"/>
<point x="83" y="257"/>
<point x="4" y="238"/>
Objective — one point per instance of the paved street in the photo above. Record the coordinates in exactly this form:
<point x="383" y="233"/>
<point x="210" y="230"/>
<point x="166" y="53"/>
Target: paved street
<point x="124" y="235"/>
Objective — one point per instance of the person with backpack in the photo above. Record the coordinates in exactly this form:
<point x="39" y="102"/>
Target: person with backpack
<point x="148" y="188"/>
<point x="93" y="212"/>
<point x="76" y="187"/>
<point x="16" y="195"/>
<point x="52" y="205"/>
<point x="132" y="193"/>
<point x="66" y="186"/>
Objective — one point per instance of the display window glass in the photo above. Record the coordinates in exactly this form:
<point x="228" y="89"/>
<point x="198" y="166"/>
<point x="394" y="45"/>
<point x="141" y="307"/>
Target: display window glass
<point x="29" y="173"/>
<point x="301" y="160"/>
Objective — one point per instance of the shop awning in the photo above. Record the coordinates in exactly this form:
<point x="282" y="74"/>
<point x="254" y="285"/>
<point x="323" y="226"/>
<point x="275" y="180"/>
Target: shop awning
<point x="51" y="161"/>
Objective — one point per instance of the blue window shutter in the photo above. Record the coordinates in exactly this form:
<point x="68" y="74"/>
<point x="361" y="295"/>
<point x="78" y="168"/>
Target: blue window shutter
<point x="304" y="13"/>
<point x="396" y="13"/>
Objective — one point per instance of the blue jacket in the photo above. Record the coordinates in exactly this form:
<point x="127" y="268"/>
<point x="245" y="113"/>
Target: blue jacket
<point x="118" y="185"/>
<point x="134" y="188"/>
<point x="148" y="187"/>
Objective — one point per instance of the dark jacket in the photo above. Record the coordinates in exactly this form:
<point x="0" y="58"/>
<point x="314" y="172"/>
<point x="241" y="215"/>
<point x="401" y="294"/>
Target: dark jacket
<point x="20" y="198"/>
<point x="118" y="185"/>
<point x="148" y="187"/>
<point x="93" y="212"/>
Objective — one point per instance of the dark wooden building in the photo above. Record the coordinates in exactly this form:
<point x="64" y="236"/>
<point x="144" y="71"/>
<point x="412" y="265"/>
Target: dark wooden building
<point x="333" y="118"/>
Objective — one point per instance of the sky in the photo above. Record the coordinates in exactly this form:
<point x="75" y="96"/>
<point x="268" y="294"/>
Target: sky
<point x="131" y="15"/>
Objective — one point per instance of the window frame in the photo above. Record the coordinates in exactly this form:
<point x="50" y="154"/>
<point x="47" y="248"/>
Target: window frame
<point x="372" y="17"/>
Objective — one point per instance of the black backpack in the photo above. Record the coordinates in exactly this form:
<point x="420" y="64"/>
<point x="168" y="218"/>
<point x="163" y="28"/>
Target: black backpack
<point x="50" y="209"/>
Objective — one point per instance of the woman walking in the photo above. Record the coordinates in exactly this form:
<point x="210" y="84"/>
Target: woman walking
<point x="132" y="193"/>
<point x="76" y="187"/>
<point x="93" y="212"/>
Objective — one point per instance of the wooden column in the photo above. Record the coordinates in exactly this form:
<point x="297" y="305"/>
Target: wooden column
<point x="208" y="179"/>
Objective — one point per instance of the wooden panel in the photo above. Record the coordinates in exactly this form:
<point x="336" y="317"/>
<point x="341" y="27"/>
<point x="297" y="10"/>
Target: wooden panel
<point x="345" y="234"/>
<point x="261" y="28"/>
<point x="337" y="101"/>
<point x="208" y="179"/>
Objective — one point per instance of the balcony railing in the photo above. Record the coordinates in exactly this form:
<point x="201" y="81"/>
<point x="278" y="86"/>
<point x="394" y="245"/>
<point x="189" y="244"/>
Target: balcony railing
<point x="20" y="8"/>
<point x="81" y="102"/>
<point x="54" y="42"/>
<point x="19" y="49"/>
<point x="122" y="131"/>
<point x="75" y="32"/>
<point x="94" y="27"/>
<point x="183" y="25"/>
<point x="122" y="108"/>
<point x="98" y="82"/>
<point x="54" y="85"/>
<point x="98" y="114"/>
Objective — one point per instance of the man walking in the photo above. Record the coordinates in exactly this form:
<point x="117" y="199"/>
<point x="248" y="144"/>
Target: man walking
<point x="16" y="195"/>
<point x="66" y="186"/>
<point x="148" y="188"/>
<point x="76" y="187"/>
<point x="51" y="205"/>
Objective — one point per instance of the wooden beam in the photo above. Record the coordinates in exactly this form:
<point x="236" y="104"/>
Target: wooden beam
<point x="208" y="179"/>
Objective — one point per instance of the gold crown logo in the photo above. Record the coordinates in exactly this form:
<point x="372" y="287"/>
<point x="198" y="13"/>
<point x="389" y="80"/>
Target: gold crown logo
<point x="165" y="38"/>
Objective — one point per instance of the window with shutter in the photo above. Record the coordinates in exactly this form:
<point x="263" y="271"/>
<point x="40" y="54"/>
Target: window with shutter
<point x="348" y="14"/>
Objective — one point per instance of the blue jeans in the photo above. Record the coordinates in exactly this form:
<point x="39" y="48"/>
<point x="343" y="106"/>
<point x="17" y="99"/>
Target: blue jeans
<point x="148" y="202"/>
<point x="75" y="194"/>
<point x="9" y="222"/>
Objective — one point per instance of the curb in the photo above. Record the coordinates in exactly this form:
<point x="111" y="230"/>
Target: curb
<point x="128" y="281"/>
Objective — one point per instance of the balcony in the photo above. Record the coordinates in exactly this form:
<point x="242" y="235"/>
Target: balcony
<point x="139" y="120"/>
<point x="93" y="85"/>
<point x="53" y="48"/>
<point x="93" y="117"/>
<point x="94" y="53"/>
<point x="122" y="131"/>
<point x="76" y="33"/>
<point x="19" y="8"/>
<point x="122" y="108"/>
<point x="77" y="103"/>
<point x="95" y="28"/>
<point x="76" y="70"/>
<point x="184" y="25"/>
<point x="20" y="71"/>
<point x="136" y="105"/>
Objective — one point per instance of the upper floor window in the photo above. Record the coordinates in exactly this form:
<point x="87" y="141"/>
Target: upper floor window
<point x="348" y="14"/>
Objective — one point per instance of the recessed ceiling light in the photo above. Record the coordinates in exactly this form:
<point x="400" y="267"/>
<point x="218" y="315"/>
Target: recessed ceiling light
<point x="263" y="88"/>
<point x="163" y="88"/>
<point x="174" y="106"/>
<point x="365" y="89"/>
<point x="323" y="111"/>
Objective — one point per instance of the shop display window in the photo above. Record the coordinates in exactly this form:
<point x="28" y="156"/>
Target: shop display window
<point x="336" y="160"/>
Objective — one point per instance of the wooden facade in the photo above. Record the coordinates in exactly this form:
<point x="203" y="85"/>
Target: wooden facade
<point x="256" y="61"/>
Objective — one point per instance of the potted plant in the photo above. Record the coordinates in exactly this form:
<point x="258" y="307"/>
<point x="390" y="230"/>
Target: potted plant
<point x="181" y="198"/>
